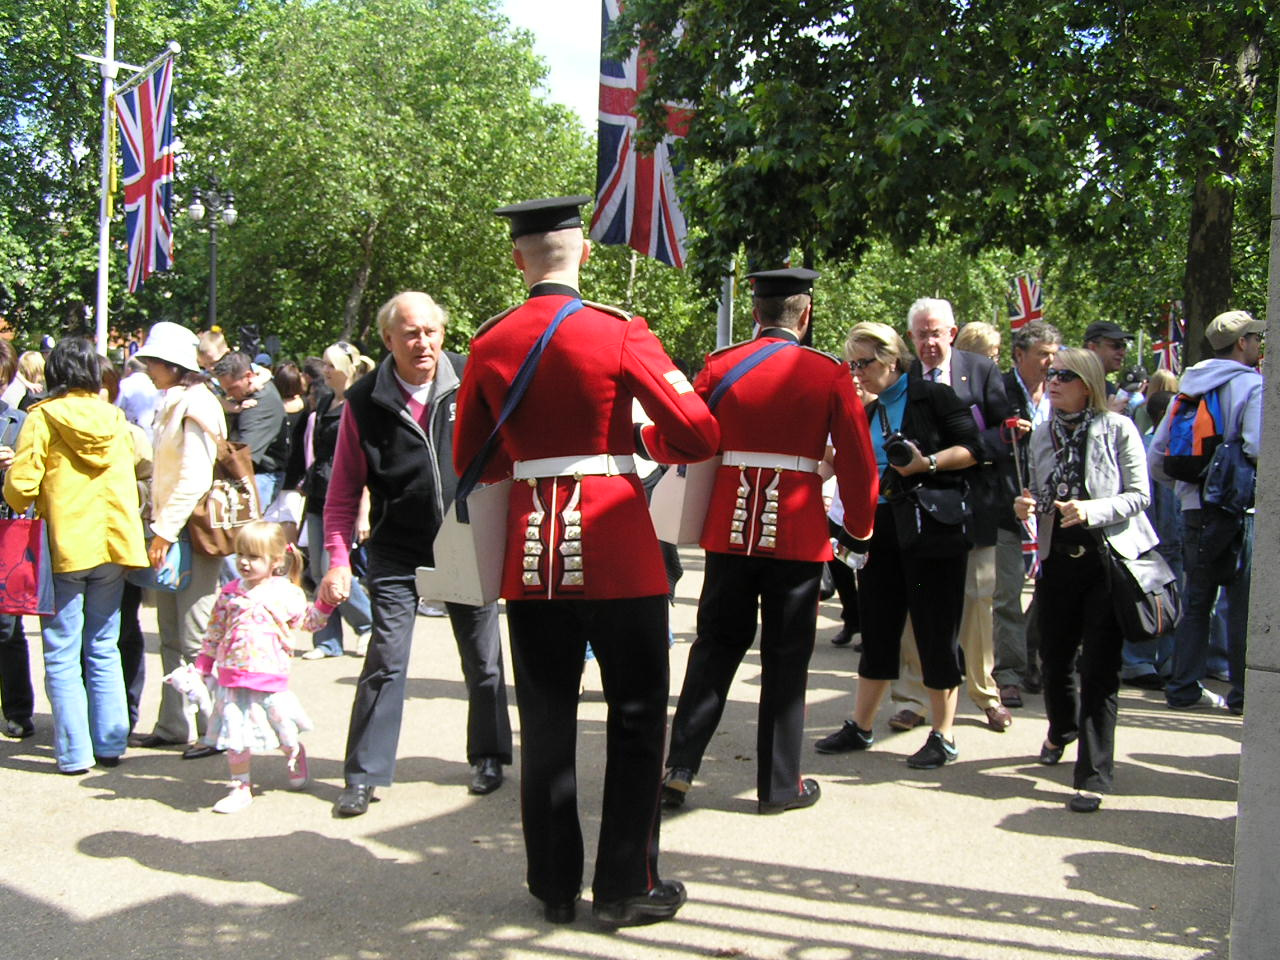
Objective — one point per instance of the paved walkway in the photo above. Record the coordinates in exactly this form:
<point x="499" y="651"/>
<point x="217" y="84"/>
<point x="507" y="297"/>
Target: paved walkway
<point x="978" y="860"/>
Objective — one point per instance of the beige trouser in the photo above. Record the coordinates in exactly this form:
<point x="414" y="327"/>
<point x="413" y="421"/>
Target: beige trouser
<point x="182" y="619"/>
<point x="975" y="639"/>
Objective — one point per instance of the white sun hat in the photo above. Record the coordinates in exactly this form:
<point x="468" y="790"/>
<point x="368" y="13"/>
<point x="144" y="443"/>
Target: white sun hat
<point x="172" y="343"/>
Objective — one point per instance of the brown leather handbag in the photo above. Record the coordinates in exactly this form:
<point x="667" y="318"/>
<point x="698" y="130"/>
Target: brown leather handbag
<point x="231" y="502"/>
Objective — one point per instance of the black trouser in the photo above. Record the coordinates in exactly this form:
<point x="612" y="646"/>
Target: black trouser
<point x="379" y="702"/>
<point x="787" y="595"/>
<point x="846" y="585"/>
<point x="894" y="583"/>
<point x="16" y="693"/>
<point x="548" y="643"/>
<point x="133" y="660"/>
<point x="1073" y="599"/>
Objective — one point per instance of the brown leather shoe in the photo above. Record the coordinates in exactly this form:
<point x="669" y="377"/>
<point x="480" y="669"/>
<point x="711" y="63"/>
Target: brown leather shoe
<point x="906" y="719"/>
<point x="1011" y="695"/>
<point x="999" y="718"/>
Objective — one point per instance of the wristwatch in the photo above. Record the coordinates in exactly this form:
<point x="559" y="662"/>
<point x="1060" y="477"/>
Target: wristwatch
<point x="933" y="463"/>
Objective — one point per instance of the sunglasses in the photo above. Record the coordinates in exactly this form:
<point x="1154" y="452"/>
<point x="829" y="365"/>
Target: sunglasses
<point x="856" y="365"/>
<point x="1061" y="374"/>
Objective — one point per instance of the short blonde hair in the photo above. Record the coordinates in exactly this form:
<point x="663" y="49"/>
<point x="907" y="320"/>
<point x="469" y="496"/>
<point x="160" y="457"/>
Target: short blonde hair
<point x="211" y="347"/>
<point x="888" y="345"/>
<point x="1087" y="364"/>
<point x="262" y="538"/>
<point x="978" y="337"/>
<point x="389" y="312"/>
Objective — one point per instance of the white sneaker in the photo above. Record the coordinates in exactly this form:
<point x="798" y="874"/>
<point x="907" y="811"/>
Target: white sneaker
<point x="1208" y="701"/>
<point x="240" y="797"/>
<point x="362" y="643"/>
<point x="428" y="608"/>
<point x="315" y="653"/>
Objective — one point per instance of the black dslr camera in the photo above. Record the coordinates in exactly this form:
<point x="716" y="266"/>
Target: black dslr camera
<point x="898" y="450"/>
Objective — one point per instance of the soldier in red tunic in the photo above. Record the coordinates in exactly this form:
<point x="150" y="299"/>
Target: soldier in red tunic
<point x="767" y="535"/>
<point x="582" y="562"/>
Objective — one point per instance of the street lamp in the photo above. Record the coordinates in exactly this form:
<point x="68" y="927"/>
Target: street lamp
<point x="221" y="206"/>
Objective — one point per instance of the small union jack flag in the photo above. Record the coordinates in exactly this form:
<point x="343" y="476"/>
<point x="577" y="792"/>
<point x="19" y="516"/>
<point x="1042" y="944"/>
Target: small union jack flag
<point x="1028" y="304"/>
<point x="1029" y="530"/>
<point x="636" y="201"/>
<point x="1169" y="349"/>
<point x="146" y="131"/>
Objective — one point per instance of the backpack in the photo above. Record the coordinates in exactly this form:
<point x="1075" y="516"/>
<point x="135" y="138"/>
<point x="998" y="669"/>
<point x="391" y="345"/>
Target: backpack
<point x="1195" y="431"/>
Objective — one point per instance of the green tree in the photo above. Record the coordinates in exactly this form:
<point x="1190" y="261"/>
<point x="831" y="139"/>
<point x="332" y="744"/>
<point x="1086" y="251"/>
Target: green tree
<point x="1084" y="130"/>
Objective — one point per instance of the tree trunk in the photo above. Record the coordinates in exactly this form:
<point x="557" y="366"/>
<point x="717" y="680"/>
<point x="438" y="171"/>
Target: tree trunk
<point x="351" y="311"/>
<point x="1207" y="281"/>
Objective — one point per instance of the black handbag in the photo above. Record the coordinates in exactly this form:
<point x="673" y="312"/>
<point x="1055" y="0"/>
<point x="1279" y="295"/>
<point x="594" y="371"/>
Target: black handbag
<point x="1145" y="594"/>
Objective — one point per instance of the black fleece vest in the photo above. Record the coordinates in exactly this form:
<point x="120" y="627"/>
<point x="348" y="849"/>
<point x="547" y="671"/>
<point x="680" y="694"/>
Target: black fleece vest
<point x="410" y="470"/>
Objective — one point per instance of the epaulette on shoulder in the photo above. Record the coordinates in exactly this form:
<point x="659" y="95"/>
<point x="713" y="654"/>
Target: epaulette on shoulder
<point x="492" y="321"/>
<point x="822" y="353"/>
<point x="730" y="346"/>
<point x="606" y="308"/>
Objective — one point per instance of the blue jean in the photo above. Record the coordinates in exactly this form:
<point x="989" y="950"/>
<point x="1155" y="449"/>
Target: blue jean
<point x="356" y="610"/>
<point x="90" y="715"/>
<point x="1191" y="641"/>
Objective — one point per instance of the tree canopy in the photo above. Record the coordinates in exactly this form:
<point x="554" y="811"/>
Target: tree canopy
<point x="1088" y="131"/>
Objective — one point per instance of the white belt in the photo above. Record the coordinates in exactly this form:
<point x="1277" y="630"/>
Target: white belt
<point x="769" y="461"/>
<point x="600" y="464"/>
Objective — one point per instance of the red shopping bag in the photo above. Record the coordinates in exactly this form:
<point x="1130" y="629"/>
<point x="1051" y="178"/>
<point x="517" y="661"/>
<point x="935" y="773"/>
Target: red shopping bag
<point x="26" y="569"/>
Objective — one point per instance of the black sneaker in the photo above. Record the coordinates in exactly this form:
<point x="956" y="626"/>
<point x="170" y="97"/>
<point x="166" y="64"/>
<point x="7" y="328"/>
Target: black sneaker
<point x="935" y="753"/>
<point x="848" y="738"/>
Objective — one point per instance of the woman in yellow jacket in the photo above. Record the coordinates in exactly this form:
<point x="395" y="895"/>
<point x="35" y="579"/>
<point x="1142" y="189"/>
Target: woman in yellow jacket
<point x="75" y="461"/>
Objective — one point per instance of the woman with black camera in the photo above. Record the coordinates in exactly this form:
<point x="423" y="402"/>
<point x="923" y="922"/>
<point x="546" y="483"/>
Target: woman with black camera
<point x="924" y="439"/>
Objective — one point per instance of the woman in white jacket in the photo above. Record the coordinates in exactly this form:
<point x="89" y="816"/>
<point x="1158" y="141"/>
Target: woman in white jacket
<point x="1091" y="487"/>
<point x="188" y="421"/>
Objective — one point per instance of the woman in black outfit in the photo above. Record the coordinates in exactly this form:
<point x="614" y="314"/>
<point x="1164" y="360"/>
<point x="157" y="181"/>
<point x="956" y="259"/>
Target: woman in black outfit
<point x="1089" y="472"/>
<point x="923" y="575"/>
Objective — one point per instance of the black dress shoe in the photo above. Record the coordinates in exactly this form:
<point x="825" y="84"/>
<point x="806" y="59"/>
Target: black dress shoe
<point x="807" y="797"/>
<point x="107" y="761"/>
<point x="1084" y="803"/>
<point x="19" y="729"/>
<point x="675" y="787"/>
<point x="844" y="637"/>
<point x="660" y="903"/>
<point x="353" y="800"/>
<point x="560" y="912"/>
<point x="200" y="751"/>
<point x="151" y="741"/>
<point x="486" y="776"/>
<point x="1049" y="754"/>
<point x="1147" y="681"/>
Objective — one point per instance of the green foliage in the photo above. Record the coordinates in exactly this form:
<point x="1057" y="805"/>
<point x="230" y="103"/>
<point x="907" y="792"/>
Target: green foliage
<point x="1087" y="131"/>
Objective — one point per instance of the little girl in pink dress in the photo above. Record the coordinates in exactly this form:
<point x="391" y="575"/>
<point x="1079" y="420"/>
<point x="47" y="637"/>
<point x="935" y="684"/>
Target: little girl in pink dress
<point x="248" y="639"/>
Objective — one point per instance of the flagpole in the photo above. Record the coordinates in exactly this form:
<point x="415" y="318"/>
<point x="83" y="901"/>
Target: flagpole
<point x="108" y="68"/>
<point x="724" y="317"/>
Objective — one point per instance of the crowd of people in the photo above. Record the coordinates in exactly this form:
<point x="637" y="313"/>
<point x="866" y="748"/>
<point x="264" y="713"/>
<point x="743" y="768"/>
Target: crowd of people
<point x="952" y="483"/>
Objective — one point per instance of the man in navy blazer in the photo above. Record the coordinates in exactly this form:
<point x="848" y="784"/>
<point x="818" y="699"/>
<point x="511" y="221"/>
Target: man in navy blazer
<point x="976" y="381"/>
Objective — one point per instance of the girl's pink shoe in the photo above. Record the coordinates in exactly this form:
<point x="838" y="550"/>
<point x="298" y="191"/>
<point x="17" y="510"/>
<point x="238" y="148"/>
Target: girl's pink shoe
<point x="298" y="775"/>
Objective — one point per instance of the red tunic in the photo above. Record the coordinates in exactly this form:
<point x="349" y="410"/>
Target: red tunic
<point x="789" y="404"/>
<point x="590" y="539"/>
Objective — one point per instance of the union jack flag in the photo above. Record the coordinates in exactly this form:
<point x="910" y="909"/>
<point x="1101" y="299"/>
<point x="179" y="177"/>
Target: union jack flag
<point x="1028" y="303"/>
<point x="1175" y="329"/>
<point x="636" y="200"/>
<point x="146" y="130"/>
